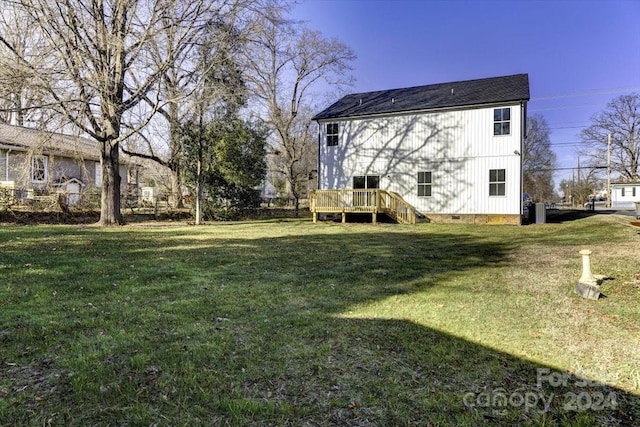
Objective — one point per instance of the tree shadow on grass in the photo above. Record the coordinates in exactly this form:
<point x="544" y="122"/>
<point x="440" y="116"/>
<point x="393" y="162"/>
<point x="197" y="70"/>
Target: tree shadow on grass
<point x="559" y="216"/>
<point x="249" y="331"/>
<point x="394" y="372"/>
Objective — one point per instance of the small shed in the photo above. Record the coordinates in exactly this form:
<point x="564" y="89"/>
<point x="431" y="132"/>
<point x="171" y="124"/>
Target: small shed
<point x="73" y="188"/>
<point x="149" y="195"/>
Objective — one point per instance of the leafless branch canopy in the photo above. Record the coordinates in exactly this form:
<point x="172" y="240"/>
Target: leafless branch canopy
<point x="621" y="120"/>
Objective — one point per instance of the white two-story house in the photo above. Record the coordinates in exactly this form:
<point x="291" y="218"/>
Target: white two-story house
<point x="452" y="151"/>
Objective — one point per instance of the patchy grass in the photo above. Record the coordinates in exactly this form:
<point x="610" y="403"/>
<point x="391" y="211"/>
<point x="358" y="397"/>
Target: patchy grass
<point x="285" y="322"/>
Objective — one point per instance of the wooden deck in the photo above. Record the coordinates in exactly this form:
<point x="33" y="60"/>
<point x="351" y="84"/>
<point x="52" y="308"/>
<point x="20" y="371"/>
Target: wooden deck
<point x="371" y="201"/>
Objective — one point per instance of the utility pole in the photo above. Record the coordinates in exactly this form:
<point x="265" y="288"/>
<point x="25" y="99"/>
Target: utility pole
<point x="609" y="171"/>
<point x="573" y="183"/>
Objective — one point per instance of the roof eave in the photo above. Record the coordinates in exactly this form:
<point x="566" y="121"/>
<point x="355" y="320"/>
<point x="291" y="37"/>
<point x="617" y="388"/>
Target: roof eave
<point x="420" y="110"/>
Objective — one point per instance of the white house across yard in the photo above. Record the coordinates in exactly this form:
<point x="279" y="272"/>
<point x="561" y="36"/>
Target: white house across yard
<point x="35" y="162"/>
<point x="450" y="150"/>
<point x="625" y="194"/>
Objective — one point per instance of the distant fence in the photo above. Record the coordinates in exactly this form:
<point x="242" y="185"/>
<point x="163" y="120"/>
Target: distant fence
<point x="28" y="200"/>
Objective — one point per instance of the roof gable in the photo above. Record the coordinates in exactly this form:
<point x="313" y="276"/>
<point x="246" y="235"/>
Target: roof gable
<point x="435" y="96"/>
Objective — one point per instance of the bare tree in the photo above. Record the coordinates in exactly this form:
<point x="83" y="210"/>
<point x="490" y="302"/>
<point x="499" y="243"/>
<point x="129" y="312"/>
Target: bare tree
<point x="286" y="63"/>
<point x="583" y="184"/>
<point x="538" y="159"/>
<point x="185" y="85"/>
<point x="20" y="101"/>
<point x="621" y="120"/>
<point x="297" y="161"/>
<point x="102" y="64"/>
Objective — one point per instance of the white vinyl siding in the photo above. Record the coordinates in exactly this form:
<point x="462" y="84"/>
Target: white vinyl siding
<point x="458" y="148"/>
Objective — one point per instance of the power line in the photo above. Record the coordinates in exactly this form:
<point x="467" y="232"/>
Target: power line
<point x="604" y="91"/>
<point x="570" y="127"/>
<point x="566" y="107"/>
<point x="568" y="143"/>
<point x="566" y="169"/>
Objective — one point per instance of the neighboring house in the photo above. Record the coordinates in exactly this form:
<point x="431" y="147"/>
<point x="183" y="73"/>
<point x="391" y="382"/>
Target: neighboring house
<point x="41" y="162"/>
<point x="624" y="194"/>
<point x="450" y="150"/>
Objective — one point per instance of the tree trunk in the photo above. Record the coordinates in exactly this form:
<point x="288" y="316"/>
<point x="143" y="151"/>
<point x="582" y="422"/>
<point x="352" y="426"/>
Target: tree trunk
<point x="176" y="150"/>
<point x="176" y="190"/>
<point x="198" y="218"/>
<point x="110" y="200"/>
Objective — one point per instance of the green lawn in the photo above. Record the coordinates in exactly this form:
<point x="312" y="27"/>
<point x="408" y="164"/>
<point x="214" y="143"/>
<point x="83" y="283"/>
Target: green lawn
<point x="286" y="322"/>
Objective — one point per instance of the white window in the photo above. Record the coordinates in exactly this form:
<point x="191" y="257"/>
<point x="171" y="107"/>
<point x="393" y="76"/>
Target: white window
<point x="502" y="121"/>
<point x="332" y="134"/>
<point x="424" y="184"/>
<point x="624" y="193"/>
<point x="497" y="182"/>
<point x="4" y="175"/>
<point x="98" y="174"/>
<point x="39" y="169"/>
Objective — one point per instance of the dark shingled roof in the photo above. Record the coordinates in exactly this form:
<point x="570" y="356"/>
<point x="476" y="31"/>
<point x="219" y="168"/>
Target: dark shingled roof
<point x="24" y="139"/>
<point x="493" y="90"/>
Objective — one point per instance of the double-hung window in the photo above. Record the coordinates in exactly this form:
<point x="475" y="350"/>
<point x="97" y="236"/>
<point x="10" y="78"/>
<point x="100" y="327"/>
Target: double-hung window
<point x="332" y="134"/>
<point x="424" y="184"/>
<point x="39" y="169"/>
<point x="502" y="121"/>
<point x="497" y="182"/>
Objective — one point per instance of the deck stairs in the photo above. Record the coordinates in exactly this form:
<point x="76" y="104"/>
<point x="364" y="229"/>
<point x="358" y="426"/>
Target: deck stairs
<point x="372" y="201"/>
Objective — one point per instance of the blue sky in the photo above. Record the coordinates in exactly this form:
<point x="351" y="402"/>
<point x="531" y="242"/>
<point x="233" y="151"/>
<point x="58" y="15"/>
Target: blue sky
<point x="579" y="54"/>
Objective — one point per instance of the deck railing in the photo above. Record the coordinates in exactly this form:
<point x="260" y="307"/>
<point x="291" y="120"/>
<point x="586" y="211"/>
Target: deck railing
<point x="371" y="201"/>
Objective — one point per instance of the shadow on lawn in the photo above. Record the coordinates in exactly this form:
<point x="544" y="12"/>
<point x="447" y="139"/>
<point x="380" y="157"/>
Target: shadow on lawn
<point x="249" y="332"/>
<point x="559" y="216"/>
<point x="394" y="372"/>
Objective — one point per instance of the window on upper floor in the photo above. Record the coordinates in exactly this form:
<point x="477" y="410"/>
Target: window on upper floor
<point x="424" y="184"/>
<point x="502" y="121"/>
<point x="39" y="169"/>
<point x="497" y="182"/>
<point x="332" y="134"/>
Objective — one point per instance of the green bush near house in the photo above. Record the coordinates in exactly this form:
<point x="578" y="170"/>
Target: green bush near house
<point x="286" y="322"/>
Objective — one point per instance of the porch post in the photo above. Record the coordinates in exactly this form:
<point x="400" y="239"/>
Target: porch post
<point x="376" y="204"/>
